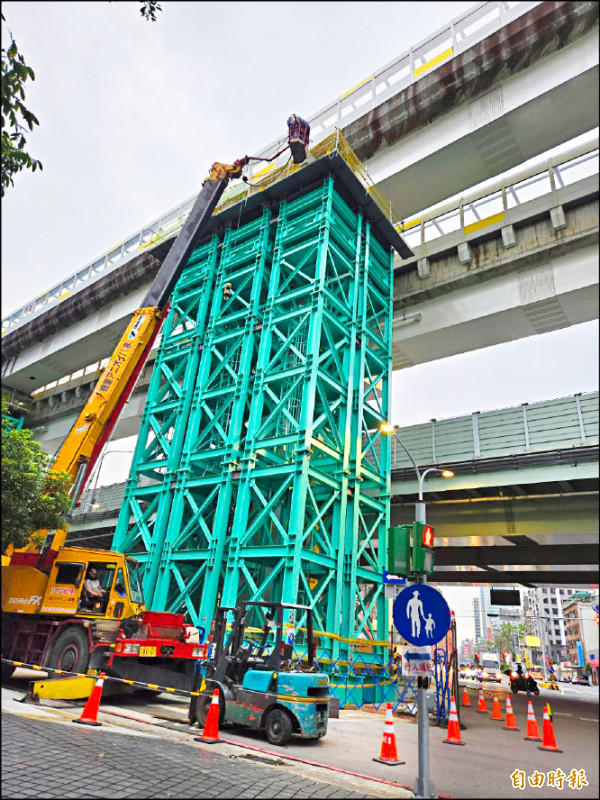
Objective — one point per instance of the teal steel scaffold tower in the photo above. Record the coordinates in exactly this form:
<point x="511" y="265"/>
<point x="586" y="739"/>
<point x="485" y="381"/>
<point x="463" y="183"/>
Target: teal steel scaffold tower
<point x="260" y="472"/>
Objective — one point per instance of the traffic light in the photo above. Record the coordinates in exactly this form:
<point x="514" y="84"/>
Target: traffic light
<point x="410" y="549"/>
<point x="427" y="536"/>
<point x="422" y="551"/>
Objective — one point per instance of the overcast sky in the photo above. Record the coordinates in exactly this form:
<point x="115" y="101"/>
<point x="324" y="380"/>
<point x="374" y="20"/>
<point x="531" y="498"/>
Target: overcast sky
<point x="132" y="114"/>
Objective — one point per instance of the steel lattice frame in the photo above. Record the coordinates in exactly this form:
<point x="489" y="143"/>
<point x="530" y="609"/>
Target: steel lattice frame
<point x="261" y="436"/>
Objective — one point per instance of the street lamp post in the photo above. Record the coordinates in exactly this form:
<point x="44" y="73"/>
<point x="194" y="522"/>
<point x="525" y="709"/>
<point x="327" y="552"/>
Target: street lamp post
<point x="423" y="785"/>
<point x="94" y="504"/>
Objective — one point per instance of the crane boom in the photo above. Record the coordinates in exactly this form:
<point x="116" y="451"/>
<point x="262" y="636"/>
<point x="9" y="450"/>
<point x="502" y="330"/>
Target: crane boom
<point x="90" y="432"/>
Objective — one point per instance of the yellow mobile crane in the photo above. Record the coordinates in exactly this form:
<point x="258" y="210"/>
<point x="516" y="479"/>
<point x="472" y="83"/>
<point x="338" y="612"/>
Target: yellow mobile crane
<point x="49" y="618"/>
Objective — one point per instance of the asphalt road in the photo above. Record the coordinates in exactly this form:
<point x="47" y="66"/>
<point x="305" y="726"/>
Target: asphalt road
<point x="481" y="768"/>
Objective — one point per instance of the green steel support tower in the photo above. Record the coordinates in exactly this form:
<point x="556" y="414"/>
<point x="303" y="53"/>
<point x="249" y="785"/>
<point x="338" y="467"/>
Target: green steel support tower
<point x="260" y="471"/>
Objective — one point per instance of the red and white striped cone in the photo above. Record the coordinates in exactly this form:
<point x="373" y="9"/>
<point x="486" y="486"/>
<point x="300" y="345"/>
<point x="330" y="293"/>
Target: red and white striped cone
<point x="481" y="706"/>
<point x="511" y="722"/>
<point x="89" y="715"/>
<point x="453" y="735"/>
<point x="465" y="700"/>
<point x="210" y="734"/>
<point x="533" y="733"/>
<point x="496" y="710"/>
<point x="389" y="753"/>
<point x="548" y="740"/>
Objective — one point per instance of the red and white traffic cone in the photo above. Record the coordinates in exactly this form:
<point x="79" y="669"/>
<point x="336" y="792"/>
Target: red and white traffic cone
<point x="465" y="700"/>
<point x="453" y="735"/>
<point x="496" y="710"/>
<point x="511" y="722"/>
<point x="481" y="706"/>
<point x="533" y="733"/>
<point x="210" y="734"/>
<point x="389" y="753"/>
<point x="548" y="740"/>
<point x="89" y="715"/>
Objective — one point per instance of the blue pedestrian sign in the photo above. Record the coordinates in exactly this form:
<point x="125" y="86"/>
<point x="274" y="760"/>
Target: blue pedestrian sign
<point x="421" y="615"/>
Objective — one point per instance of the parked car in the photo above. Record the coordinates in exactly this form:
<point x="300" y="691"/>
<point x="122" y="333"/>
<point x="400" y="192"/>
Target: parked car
<point x="580" y="679"/>
<point x="536" y="675"/>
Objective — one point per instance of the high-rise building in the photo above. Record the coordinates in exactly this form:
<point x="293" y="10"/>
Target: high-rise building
<point x="484" y="612"/>
<point x="477" y="618"/>
<point x="544" y="614"/>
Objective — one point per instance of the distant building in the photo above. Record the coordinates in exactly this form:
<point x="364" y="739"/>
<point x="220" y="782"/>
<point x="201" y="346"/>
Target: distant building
<point x="465" y="651"/>
<point x="477" y="616"/>
<point x="543" y="608"/>
<point x="581" y="627"/>
<point x="484" y="613"/>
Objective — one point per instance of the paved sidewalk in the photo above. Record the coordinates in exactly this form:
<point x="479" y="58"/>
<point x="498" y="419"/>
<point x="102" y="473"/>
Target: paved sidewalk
<point x="47" y="759"/>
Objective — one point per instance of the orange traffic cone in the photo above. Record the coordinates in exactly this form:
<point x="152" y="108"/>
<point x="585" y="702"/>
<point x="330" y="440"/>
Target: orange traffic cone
<point x="548" y="740"/>
<point x="466" y="701"/>
<point x="453" y="736"/>
<point x="496" y="710"/>
<point x="511" y="722"/>
<point x="210" y="734"/>
<point x="89" y="715"/>
<point x="532" y="727"/>
<point x="389" y="754"/>
<point x="481" y="706"/>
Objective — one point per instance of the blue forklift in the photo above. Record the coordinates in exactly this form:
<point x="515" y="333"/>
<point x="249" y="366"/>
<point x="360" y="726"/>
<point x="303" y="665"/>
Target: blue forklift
<point x="260" y="686"/>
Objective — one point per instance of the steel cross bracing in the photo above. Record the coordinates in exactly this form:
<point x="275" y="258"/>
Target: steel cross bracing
<point x="260" y="472"/>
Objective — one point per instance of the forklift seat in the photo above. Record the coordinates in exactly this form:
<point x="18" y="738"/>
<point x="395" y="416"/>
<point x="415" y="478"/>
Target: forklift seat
<point x="256" y="662"/>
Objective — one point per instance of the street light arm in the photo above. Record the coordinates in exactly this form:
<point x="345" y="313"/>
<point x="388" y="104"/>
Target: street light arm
<point x="407" y="451"/>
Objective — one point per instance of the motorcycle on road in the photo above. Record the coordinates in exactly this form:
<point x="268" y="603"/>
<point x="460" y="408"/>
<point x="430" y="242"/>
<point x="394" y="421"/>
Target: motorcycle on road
<point x="523" y="683"/>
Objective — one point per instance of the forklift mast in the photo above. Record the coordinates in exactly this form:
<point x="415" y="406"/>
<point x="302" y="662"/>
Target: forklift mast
<point x="231" y="657"/>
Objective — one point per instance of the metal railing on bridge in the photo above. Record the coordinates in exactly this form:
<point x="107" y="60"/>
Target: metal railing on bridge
<point x="564" y="423"/>
<point x="491" y="204"/>
<point x="454" y="38"/>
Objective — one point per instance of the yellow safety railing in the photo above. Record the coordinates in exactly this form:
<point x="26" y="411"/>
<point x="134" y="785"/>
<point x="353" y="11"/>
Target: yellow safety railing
<point x="335" y="142"/>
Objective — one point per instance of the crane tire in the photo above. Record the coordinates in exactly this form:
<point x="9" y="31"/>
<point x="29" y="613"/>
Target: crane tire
<point x="71" y="651"/>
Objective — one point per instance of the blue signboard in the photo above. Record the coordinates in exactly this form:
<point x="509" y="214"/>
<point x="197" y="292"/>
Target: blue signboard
<point x="579" y="653"/>
<point x="396" y="580"/>
<point x="421" y="615"/>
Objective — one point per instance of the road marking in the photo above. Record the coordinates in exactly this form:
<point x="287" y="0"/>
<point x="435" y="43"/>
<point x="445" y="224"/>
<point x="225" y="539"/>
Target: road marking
<point x="589" y="719"/>
<point x="562" y="714"/>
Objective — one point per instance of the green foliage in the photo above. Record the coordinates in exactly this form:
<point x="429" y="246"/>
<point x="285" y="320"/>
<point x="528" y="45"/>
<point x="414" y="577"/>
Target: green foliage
<point x="15" y="73"/>
<point x="149" y="9"/>
<point x="32" y="497"/>
<point x="507" y="637"/>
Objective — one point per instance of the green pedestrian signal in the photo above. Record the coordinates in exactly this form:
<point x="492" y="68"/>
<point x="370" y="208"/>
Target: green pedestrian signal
<point x="399" y="550"/>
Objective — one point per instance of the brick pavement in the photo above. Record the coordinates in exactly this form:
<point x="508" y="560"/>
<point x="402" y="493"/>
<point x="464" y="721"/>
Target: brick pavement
<point x="44" y="759"/>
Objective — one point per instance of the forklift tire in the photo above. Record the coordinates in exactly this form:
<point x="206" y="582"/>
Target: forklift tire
<point x="70" y="652"/>
<point x="278" y="726"/>
<point x="202" y="705"/>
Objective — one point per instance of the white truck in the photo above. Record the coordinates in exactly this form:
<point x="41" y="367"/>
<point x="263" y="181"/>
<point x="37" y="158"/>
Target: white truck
<point x="490" y="668"/>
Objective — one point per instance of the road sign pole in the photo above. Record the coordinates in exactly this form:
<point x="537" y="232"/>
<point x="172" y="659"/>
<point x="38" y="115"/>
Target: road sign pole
<point x="423" y="785"/>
